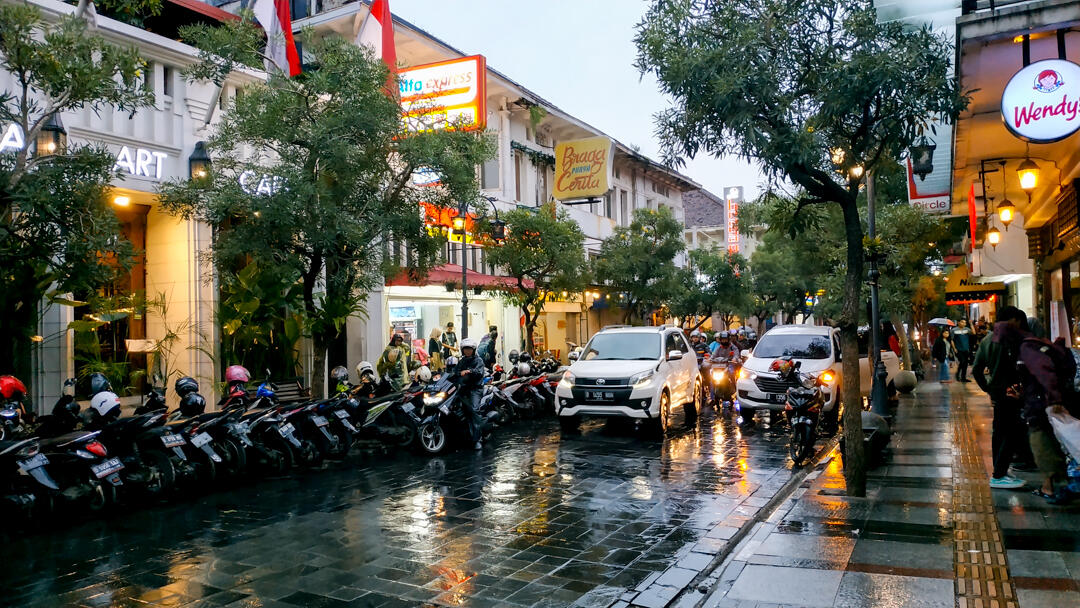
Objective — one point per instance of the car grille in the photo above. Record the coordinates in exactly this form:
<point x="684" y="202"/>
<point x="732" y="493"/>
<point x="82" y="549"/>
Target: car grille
<point x="773" y="385"/>
<point x="607" y="382"/>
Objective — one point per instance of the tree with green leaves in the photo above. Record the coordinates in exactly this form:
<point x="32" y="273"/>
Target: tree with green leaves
<point x="816" y="92"/>
<point x="638" y="261"/>
<point x="312" y="179"/>
<point x="714" y="282"/>
<point x="544" y="252"/>
<point x="59" y="235"/>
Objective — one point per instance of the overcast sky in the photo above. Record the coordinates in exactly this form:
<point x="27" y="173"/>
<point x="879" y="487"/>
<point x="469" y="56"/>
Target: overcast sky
<point x="576" y="54"/>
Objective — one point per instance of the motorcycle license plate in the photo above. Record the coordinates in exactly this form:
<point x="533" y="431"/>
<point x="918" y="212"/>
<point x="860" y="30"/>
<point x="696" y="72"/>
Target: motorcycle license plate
<point x="106" y="468"/>
<point x="201" y="439"/>
<point x="172" y="440"/>
<point x="32" y="463"/>
<point x="341" y="414"/>
<point x="802" y="420"/>
<point x="319" y="421"/>
<point x="776" y="398"/>
<point x="286" y="429"/>
<point x="600" y="395"/>
<point x="408" y="408"/>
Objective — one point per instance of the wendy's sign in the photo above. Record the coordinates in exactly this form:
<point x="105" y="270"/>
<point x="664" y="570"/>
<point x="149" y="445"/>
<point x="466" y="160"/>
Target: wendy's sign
<point x="583" y="168"/>
<point x="1041" y="103"/>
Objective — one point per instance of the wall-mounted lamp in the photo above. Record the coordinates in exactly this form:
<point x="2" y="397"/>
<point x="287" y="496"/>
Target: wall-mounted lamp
<point x="199" y="162"/>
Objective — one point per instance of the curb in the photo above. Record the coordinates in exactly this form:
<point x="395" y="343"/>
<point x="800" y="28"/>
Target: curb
<point x="683" y="595"/>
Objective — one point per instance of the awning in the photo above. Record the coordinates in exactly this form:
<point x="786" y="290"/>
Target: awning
<point x="451" y="273"/>
<point x="961" y="288"/>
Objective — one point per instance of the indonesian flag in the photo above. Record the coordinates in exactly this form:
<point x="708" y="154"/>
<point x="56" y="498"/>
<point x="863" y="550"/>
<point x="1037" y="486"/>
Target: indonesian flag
<point x="377" y="33"/>
<point x="276" y="21"/>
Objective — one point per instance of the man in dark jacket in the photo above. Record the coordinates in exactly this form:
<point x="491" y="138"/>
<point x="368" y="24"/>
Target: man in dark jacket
<point x="1009" y="435"/>
<point x="486" y="349"/>
<point x="469" y="376"/>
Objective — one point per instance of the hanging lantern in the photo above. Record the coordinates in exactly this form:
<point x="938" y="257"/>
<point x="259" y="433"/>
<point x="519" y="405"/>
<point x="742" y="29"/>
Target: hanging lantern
<point x="993" y="236"/>
<point x="1006" y="212"/>
<point x="1029" y="175"/>
<point x="458" y="223"/>
<point x="199" y="162"/>
<point x="53" y="137"/>
<point x="922" y="158"/>
<point x="498" y="230"/>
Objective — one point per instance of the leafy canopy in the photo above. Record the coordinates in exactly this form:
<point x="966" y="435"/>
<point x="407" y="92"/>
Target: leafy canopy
<point x="714" y="282"/>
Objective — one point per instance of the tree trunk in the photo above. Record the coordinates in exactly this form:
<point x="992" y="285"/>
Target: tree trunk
<point x="530" y="328"/>
<point x="854" y="457"/>
<point x="319" y="373"/>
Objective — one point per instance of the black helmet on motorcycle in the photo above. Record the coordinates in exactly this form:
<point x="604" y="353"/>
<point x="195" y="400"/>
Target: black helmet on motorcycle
<point x="340" y="374"/>
<point x="525" y="357"/>
<point x="513" y="356"/>
<point x="185" y="386"/>
<point x="192" y="404"/>
<point x="724" y="335"/>
<point x="99" y="383"/>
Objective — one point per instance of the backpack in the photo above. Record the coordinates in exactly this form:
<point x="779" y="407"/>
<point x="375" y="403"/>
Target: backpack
<point x="1066" y="362"/>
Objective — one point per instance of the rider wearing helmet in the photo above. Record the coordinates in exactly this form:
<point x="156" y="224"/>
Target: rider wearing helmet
<point x="697" y="342"/>
<point x="724" y="350"/>
<point x="395" y="362"/>
<point x="469" y="375"/>
<point x="339" y="376"/>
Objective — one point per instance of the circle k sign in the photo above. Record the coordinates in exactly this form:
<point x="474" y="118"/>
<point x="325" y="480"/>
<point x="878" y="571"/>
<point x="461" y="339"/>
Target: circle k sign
<point x="1041" y="103"/>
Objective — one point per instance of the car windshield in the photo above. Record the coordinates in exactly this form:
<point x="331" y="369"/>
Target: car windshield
<point x="624" y="346"/>
<point x="796" y="346"/>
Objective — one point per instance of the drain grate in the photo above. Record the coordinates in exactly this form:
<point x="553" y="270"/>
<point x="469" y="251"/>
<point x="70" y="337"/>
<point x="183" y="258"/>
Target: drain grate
<point x="982" y="572"/>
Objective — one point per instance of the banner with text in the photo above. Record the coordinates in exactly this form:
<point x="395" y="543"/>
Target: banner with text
<point x="583" y="168"/>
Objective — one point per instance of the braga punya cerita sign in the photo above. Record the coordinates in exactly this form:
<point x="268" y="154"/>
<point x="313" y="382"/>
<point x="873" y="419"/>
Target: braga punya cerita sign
<point x="139" y="162"/>
<point x="1041" y="102"/>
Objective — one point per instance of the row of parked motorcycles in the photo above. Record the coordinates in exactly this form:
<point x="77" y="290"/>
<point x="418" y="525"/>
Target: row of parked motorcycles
<point x="91" y="460"/>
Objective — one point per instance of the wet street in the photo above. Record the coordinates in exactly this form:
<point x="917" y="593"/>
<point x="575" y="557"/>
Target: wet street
<point x="535" y="519"/>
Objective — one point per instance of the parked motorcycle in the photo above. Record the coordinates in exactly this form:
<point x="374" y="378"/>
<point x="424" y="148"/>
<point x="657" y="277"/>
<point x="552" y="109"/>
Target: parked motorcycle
<point x="805" y="398"/>
<point x="229" y="436"/>
<point x="83" y="469"/>
<point x="443" y="417"/>
<point x="25" y="483"/>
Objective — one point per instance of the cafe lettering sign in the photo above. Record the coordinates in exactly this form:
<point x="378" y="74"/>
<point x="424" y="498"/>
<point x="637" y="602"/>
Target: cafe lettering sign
<point x="583" y="168"/>
<point x="1041" y="102"/>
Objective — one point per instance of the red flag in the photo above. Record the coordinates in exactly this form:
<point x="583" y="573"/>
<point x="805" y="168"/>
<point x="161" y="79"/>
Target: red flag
<point x="276" y="21"/>
<point x="377" y="32"/>
<point x="971" y="215"/>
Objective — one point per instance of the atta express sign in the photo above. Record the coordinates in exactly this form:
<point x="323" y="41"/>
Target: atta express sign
<point x="445" y="95"/>
<point x="1041" y="102"/>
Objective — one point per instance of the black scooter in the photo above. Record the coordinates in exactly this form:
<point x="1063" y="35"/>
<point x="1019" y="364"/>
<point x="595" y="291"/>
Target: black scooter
<point x="443" y="416"/>
<point x="804" y="402"/>
<point x="25" y="484"/>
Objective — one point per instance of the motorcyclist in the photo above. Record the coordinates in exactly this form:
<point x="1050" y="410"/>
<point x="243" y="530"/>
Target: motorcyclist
<point x="724" y="350"/>
<point x="740" y="338"/>
<point x="469" y="376"/>
<point x="370" y="387"/>
<point x="697" y="342"/>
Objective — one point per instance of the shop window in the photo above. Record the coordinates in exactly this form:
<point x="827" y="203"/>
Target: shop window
<point x="519" y="175"/>
<point x="167" y="84"/>
<point x="114" y="315"/>
<point x="489" y="174"/>
<point x="543" y="191"/>
<point x="609" y="204"/>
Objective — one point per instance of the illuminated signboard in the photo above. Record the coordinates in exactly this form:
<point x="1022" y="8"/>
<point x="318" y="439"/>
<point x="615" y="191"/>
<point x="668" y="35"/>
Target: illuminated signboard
<point x="733" y="197"/>
<point x="447" y="94"/>
<point x="139" y="162"/>
<point x="1041" y="103"/>
<point x="583" y="168"/>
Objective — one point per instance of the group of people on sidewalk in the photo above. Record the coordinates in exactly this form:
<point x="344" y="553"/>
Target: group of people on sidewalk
<point x="956" y="345"/>
<point x="1026" y="377"/>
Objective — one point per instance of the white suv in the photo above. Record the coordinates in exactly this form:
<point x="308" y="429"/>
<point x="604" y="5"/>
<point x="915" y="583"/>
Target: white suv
<point x="631" y="372"/>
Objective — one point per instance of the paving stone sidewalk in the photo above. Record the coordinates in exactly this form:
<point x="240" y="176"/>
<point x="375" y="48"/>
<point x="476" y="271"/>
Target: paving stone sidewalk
<point x="929" y="534"/>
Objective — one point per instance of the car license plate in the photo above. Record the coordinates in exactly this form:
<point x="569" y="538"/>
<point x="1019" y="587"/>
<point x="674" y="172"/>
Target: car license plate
<point x="32" y="463"/>
<point x="776" y="397"/>
<point x="172" y="440"/>
<point x="108" y="467"/>
<point x="201" y="439"/>
<point x="600" y="395"/>
<point x="319" y="420"/>
<point x="341" y="414"/>
<point x="286" y="429"/>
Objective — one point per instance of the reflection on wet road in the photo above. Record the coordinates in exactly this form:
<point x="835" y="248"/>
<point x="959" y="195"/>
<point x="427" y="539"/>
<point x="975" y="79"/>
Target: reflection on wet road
<point x="535" y="519"/>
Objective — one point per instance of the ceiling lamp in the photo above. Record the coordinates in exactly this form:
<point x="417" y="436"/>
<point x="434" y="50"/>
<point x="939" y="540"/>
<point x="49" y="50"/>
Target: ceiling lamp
<point x="993" y="236"/>
<point x="1029" y="175"/>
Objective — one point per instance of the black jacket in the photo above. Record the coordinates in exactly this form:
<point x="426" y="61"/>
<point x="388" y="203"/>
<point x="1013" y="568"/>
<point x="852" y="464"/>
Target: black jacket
<point x="475" y="366"/>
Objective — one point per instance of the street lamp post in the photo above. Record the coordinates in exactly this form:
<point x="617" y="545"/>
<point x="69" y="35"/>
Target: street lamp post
<point x="460" y="226"/>
<point x="878" y="396"/>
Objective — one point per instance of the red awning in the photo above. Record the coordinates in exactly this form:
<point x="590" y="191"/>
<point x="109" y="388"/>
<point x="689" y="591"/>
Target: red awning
<point x="451" y="273"/>
<point x="205" y="9"/>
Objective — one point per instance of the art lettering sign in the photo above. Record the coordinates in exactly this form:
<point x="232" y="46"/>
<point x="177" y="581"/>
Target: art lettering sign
<point x="139" y="162"/>
<point x="446" y="94"/>
<point x="583" y="168"/>
<point x="1041" y="102"/>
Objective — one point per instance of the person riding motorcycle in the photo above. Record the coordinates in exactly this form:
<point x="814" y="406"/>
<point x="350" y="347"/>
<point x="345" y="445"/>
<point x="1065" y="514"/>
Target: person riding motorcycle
<point x="697" y="342"/>
<point x="370" y="386"/>
<point x="469" y="376"/>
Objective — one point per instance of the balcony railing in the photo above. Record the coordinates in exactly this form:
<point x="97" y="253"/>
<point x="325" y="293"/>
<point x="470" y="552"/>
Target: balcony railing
<point x="968" y="7"/>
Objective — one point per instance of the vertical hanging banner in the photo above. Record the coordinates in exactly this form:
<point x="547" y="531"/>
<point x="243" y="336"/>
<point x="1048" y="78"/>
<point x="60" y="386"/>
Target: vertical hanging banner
<point x="733" y="197"/>
<point x="445" y="95"/>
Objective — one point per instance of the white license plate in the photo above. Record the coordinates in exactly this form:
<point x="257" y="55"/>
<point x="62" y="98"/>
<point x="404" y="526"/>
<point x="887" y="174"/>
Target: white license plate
<point x="319" y="421"/>
<point x="34" y="462"/>
<point x="408" y="408"/>
<point x="201" y="439"/>
<point x="173" y="440"/>
<point x="108" y="467"/>
<point x="341" y="414"/>
<point x="286" y="429"/>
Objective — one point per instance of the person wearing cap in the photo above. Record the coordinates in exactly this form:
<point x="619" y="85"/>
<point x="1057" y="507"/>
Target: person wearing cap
<point x="469" y="376"/>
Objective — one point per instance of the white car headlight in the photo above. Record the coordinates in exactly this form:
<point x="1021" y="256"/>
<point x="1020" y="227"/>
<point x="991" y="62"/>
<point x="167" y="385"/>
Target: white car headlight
<point x="435" y="399"/>
<point x="568" y="380"/>
<point x="745" y="374"/>
<point x="642" y="379"/>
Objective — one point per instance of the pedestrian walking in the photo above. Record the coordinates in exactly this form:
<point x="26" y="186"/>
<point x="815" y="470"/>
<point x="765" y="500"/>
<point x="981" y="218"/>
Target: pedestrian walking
<point x="1009" y="442"/>
<point x="449" y="341"/>
<point x="435" y="349"/>
<point x="943" y="353"/>
<point x="962" y="341"/>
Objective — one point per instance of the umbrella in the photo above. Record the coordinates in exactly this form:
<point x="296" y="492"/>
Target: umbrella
<point x="942" y="321"/>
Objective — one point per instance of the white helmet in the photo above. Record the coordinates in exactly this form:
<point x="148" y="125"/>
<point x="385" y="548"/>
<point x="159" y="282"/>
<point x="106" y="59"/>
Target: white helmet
<point x="523" y="369"/>
<point x="695" y="333"/>
<point x="451" y="361"/>
<point x="423" y="374"/>
<point x="364" y="366"/>
<point x="105" y="403"/>
<point x="469" y="343"/>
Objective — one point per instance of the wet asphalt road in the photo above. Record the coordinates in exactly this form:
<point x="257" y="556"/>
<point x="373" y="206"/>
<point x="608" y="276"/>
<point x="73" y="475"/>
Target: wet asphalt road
<point x="535" y="519"/>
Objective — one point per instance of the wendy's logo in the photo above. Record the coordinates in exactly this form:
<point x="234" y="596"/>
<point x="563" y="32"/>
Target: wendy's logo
<point x="1048" y="81"/>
